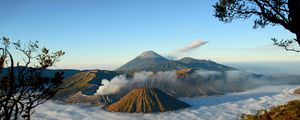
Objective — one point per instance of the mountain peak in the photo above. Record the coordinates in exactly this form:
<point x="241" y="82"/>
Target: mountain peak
<point x="150" y="54"/>
<point x="151" y="61"/>
<point x="146" y="100"/>
<point x="187" y="58"/>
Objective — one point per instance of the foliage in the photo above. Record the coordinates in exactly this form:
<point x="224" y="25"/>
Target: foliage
<point x="286" y="44"/>
<point x="265" y="12"/>
<point x="290" y="111"/>
<point x="23" y="87"/>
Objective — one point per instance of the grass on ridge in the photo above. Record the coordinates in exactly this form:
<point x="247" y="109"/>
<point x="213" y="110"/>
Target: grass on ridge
<point x="290" y="111"/>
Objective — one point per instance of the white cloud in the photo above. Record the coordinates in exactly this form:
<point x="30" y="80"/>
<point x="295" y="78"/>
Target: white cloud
<point x="186" y="49"/>
<point x="225" y="107"/>
<point x="193" y="45"/>
<point x="167" y="80"/>
<point x="112" y="86"/>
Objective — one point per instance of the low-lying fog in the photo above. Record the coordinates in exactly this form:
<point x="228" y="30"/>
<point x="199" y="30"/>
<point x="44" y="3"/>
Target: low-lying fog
<point x="224" y="107"/>
<point x="197" y="83"/>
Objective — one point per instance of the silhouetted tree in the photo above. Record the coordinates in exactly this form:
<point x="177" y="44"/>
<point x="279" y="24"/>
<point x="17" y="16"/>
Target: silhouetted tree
<point x="267" y="12"/>
<point x="22" y="88"/>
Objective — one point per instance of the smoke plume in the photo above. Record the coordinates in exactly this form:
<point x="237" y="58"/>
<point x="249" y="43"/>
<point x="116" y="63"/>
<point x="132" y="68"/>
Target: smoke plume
<point x="196" y="84"/>
<point x="112" y="86"/>
<point x="193" y="45"/>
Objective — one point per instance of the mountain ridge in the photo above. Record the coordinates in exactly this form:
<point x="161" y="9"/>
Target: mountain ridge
<point x="150" y="54"/>
<point x="204" y="64"/>
<point x="151" y="61"/>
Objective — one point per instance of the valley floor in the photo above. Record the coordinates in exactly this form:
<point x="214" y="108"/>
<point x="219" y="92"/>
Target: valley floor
<point x="224" y="107"/>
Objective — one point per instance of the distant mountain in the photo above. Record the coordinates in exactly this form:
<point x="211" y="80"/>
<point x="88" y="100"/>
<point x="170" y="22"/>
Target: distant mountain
<point x="151" y="55"/>
<point x="204" y="64"/>
<point x="47" y="72"/>
<point x="146" y="100"/>
<point x="151" y="61"/>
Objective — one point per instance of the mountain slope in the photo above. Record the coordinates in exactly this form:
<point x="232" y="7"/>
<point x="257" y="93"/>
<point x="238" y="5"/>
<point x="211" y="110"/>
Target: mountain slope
<point x="187" y="83"/>
<point x="87" y="82"/>
<point x="92" y="99"/>
<point x="46" y="73"/>
<point x="146" y="100"/>
<point x="204" y="64"/>
<point x="151" y="61"/>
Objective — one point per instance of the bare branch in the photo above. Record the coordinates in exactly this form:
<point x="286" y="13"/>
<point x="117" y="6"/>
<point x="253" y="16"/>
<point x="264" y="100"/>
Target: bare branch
<point x="22" y="90"/>
<point x="285" y="44"/>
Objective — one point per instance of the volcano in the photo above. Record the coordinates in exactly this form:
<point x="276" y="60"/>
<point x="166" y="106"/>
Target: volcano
<point x="146" y="100"/>
<point x="151" y="61"/>
<point x="203" y="64"/>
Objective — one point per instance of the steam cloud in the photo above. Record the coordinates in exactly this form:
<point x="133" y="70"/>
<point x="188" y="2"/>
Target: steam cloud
<point x="193" y="45"/>
<point x="206" y="108"/>
<point x="113" y="86"/>
<point x="119" y="82"/>
<point x="210" y="82"/>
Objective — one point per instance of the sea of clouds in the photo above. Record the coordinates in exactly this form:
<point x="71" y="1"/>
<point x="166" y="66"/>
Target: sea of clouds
<point x="223" y="107"/>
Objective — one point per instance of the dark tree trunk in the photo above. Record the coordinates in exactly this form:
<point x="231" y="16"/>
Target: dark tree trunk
<point x="294" y="15"/>
<point x="298" y="38"/>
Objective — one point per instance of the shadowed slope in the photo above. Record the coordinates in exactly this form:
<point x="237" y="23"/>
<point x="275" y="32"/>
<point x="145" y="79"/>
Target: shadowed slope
<point x="149" y="61"/>
<point x="74" y="84"/>
<point x="92" y="99"/>
<point x="204" y="64"/>
<point x="185" y="84"/>
<point x="87" y="82"/>
<point x="146" y="100"/>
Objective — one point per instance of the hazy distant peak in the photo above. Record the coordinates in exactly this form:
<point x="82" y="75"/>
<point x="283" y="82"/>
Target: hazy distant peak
<point x="149" y="54"/>
<point x="187" y="58"/>
<point x="151" y="61"/>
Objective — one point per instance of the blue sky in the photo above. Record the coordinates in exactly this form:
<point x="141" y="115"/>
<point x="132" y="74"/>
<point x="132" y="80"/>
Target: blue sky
<point x="108" y="33"/>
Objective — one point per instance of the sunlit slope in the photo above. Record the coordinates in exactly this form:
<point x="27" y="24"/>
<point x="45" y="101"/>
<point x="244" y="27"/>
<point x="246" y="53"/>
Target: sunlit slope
<point x="146" y="100"/>
<point x="87" y="82"/>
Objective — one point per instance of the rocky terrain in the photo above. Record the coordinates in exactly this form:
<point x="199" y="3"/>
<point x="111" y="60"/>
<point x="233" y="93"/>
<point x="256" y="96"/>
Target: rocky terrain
<point x="297" y="91"/>
<point x="85" y="82"/>
<point x="92" y="99"/>
<point x="146" y="100"/>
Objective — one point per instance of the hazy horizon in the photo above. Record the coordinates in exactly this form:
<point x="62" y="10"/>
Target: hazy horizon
<point x="265" y="67"/>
